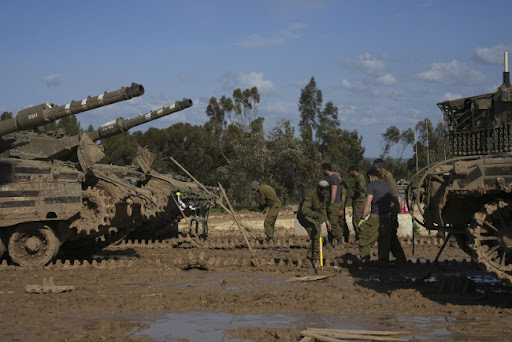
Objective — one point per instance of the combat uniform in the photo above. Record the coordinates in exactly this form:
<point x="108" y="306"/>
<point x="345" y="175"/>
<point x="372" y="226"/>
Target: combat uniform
<point x="333" y="210"/>
<point x="378" y="226"/>
<point x="358" y="199"/>
<point x="341" y="221"/>
<point x="268" y="199"/>
<point x="312" y="212"/>
<point x="395" y="248"/>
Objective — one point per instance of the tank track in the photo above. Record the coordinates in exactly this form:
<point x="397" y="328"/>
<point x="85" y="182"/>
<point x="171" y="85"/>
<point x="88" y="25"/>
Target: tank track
<point x="191" y="260"/>
<point x="188" y="241"/>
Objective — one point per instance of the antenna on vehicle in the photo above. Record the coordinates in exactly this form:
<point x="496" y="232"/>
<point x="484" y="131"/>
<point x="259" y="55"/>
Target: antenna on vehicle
<point x="506" y="74"/>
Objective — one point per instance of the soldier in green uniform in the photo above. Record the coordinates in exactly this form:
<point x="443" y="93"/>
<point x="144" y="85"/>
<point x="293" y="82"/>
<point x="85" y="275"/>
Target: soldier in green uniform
<point x="376" y="225"/>
<point x="344" y="193"/>
<point x="312" y="213"/>
<point x="395" y="248"/>
<point x="358" y="197"/>
<point x="268" y="203"/>
<point x="335" y="234"/>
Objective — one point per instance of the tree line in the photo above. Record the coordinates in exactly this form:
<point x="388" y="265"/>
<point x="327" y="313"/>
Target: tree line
<point x="232" y="147"/>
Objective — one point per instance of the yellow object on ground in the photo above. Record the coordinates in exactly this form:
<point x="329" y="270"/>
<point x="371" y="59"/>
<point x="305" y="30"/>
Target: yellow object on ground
<point x="321" y="254"/>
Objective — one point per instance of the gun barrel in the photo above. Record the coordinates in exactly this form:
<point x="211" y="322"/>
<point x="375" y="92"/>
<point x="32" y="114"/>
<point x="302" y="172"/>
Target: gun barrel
<point x="42" y="114"/>
<point x="121" y="125"/>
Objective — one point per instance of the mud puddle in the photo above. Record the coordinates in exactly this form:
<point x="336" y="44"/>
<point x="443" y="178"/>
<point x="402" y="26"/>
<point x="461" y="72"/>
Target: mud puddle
<point x="215" y="326"/>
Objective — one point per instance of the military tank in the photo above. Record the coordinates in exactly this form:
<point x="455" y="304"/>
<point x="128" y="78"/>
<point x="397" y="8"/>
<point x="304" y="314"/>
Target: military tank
<point x="470" y="195"/>
<point x="39" y="200"/>
<point x="116" y="199"/>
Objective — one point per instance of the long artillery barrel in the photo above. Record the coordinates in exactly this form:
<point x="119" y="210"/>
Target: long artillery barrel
<point x="42" y="114"/>
<point x="121" y="125"/>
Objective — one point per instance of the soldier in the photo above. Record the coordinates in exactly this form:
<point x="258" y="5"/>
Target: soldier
<point x="344" y="196"/>
<point x="335" y="234"/>
<point x="269" y="204"/>
<point x="376" y="225"/>
<point x="358" y="197"/>
<point x="396" y="249"/>
<point x="312" y="213"/>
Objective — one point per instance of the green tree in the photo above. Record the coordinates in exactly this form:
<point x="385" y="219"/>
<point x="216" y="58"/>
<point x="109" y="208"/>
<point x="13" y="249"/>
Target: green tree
<point x="389" y="138"/>
<point x="194" y="149"/>
<point x="119" y="149"/>
<point x="392" y="137"/>
<point x="6" y="115"/>
<point x="431" y="145"/>
<point x="217" y="112"/>
<point x="246" y="105"/>
<point x="328" y="123"/>
<point x="290" y="170"/>
<point x="310" y="105"/>
<point x="70" y="125"/>
<point x="249" y="158"/>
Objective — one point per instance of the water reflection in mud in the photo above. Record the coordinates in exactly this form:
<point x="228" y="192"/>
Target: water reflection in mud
<point x="213" y="326"/>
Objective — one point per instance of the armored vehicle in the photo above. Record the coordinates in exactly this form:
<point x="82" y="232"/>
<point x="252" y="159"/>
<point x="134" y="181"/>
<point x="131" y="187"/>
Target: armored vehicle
<point x="40" y="200"/>
<point x="469" y="196"/>
<point x="115" y="199"/>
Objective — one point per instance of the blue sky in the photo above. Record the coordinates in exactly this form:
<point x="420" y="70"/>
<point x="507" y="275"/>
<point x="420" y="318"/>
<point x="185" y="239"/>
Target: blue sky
<point x="381" y="63"/>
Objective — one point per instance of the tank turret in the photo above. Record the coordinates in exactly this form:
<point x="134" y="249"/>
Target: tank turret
<point x="31" y="145"/>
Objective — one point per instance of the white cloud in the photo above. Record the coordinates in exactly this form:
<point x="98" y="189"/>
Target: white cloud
<point x="492" y="55"/>
<point x="452" y="72"/>
<point x="369" y="64"/>
<point x="357" y="86"/>
<point x="52" y="81"/>
<point x="386" y="79"/>
<point x="279" y="38"/>
<point x="451" y="96"/>
<point x="231" y="81"/>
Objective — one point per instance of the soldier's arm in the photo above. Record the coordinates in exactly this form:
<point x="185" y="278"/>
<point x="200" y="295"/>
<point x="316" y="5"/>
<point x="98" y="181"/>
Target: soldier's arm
<point x="367" y="205"/>
<point x="391" y="181"/>
<point x="334" y="189"/>
<point x="261" y="201"/>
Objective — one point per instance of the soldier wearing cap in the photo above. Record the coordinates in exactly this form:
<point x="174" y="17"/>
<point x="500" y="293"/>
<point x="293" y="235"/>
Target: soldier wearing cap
<point x="395" y="247"/>
<point x="312" y="213"/>
<point x="269" y="204"/>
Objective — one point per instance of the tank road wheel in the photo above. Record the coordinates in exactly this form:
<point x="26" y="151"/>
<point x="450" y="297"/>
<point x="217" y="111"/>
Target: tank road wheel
<point x="492" y="239"/>
<point x="33" y="245"/>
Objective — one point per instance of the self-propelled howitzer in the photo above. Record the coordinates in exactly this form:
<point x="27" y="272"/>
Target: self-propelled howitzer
<point x="44" y="146"/>
<point x="470" y="195"/>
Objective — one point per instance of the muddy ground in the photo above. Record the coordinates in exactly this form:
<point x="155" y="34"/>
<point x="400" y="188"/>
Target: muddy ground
<point x="159" y="293"/>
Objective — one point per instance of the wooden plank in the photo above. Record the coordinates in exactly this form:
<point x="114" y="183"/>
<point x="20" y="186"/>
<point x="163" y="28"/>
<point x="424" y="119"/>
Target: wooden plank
<point x="329" y="335"/>
<point x="363" y="332"/>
